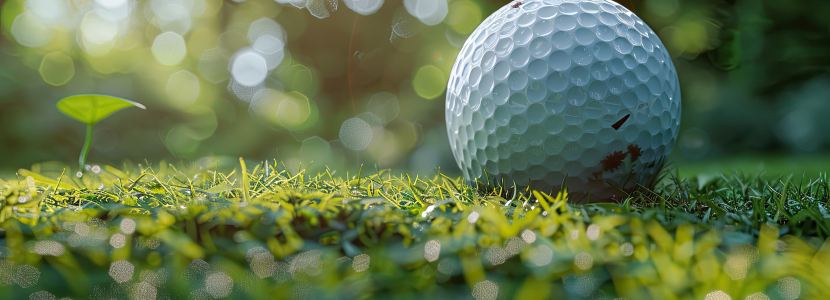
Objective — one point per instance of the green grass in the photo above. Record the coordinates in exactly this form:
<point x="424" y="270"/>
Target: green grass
<point x="261" y="232"/>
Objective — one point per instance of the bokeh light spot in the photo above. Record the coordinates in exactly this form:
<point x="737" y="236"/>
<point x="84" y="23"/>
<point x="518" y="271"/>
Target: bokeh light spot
<point x="384" y="105"/>
<point x="29" y="31"/>
<point x="26" y="276"/>
<point x="364" y="7"/>
<point x="429" y="82"/>
<point x="789" y="288"/>
<point x="583" y="261"/>
<point x="121" y="271"/>
<point x="528" y="236"/>
<point x="627" y="249"/>
<point x="144" y="291"/>
<point x="430" y="12"/>
<point x="432" y="250"/>
<point x="249" y="68"/>
<point x="118" y="240"/>
<point x="464" y="16"/>
<point x="355" y="134"/>
<point x="50" y="248"/>
<point x="485" y="290"/>
<point x="361" y="263"/>
<point x="56" y="68"/>
<point x="182" y="88"/>
<point x="169" y="48"/>
<point x="592" y="232"/>
<point x="472" y="217"/>
<point x="98" y="30"/>
<point x="127" y="226"/>
<point x="496" y="255"/>
<point x="718" y="295"/>
<point x="757" y="296"/>
<point x="219" y="285"/>
<point x="213" y="66"/>
<point x="542" y="256"/>
<point x="42" y="295"/>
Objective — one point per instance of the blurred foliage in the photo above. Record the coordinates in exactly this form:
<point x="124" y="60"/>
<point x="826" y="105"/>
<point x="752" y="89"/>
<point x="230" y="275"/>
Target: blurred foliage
<point x="265" y="79"/>
<point x="168" y="232"/>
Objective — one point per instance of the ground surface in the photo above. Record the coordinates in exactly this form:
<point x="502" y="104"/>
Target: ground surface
<point x="178" y="232"/>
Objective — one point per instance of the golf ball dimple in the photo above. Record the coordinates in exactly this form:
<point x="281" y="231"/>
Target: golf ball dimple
<point x="580" y="92"/>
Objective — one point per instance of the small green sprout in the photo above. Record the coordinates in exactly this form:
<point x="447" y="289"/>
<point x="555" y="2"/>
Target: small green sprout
<point x="90" y="109"/>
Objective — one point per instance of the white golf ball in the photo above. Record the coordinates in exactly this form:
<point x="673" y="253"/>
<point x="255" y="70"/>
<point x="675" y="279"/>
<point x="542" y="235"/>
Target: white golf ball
<point x="553" y="91"/>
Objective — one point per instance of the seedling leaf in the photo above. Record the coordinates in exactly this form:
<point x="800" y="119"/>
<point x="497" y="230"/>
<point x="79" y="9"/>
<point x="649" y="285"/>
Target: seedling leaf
<point x="91" y="109"/>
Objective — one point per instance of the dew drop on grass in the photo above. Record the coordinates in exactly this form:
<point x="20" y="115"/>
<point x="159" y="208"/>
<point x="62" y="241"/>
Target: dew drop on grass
<point x="355" y="134"/>
<point x="169" y="48"/>
<point x="249" y="68"/>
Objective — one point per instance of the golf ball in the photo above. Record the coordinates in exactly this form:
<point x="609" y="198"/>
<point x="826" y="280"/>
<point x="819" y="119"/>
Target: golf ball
<point x="563" y="91"/>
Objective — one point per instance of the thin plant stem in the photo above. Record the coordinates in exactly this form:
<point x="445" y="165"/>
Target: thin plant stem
<point x="87" y="143"/>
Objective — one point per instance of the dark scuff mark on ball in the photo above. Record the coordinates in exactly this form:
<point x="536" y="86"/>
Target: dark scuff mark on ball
<point x="619" y="123"/>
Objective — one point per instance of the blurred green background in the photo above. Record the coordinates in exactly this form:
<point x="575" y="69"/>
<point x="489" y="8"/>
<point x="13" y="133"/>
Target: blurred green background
<point x="343" y="83"/>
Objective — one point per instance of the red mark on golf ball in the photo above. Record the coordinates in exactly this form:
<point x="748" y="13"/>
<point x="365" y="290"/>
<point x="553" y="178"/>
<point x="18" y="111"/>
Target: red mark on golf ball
<point x="619" y="123"/>
<point x="516" y="5"/>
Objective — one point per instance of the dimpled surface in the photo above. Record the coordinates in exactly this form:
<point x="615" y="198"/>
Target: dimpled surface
<point x="536" y="90"/>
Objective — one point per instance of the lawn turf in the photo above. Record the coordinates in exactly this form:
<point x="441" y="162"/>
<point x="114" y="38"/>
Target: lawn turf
<point x="261" y="232"/>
